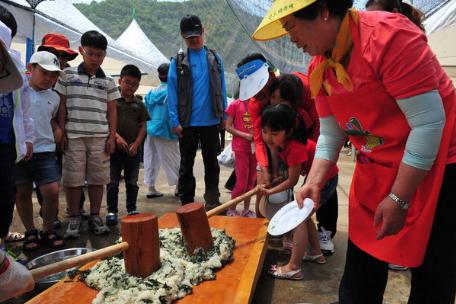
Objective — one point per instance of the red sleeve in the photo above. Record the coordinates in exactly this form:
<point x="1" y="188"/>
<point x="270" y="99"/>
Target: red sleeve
<point x="399" y="53"/>
<point x="308" y="111"/>
<point x="321" y="104"/>
<point x="295" y="153"/>
<point x="231" y="110"/>
<point x="254" y="109"/>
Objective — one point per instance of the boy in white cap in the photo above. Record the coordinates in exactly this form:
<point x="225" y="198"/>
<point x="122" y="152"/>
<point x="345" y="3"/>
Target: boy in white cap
<point x="42" y="169"/>
<point x="14" y="277"/>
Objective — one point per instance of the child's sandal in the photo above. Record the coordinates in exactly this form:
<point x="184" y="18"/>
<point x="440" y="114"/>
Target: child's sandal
<point x="31" y="240"/>
<point x="51" y="239"/>
<point x="276" y="272"/>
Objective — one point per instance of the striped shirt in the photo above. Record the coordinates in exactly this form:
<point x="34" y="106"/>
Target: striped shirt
<point x="87" y="101"/>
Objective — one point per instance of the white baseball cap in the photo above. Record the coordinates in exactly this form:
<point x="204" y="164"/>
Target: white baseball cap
<point x="254" y="75"/>
<point x="46" y="60"/>
<point x="10" y="77"/>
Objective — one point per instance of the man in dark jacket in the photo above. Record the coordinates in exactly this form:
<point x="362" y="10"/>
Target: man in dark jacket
<point x="197" y="101"/>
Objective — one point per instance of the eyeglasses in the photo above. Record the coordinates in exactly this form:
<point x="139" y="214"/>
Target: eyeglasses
<point x="96" y="55"/>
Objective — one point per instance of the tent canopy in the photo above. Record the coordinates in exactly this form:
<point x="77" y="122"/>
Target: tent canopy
<point x="144" y="48"/>
<point x="63" y="17"/>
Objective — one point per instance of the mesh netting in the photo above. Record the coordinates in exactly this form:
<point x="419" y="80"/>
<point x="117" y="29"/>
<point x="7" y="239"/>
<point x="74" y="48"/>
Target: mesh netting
<point x="282" y="52"/>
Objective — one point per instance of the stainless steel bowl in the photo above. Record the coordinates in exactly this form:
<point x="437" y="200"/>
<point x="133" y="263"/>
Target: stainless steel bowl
<point x="52" y="258"/>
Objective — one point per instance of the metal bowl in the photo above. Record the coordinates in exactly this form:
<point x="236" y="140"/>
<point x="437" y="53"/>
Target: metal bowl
<point x="52" y="258"/>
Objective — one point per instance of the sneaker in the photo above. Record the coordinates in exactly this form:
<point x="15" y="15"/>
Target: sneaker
<point x="248" y="213"/>
<point x="97" y="226"/>
<point x="133" y="212"/>
<point x="232" y="213"/>
<point x="326" y="244"/>
<point x="397" y="267"/>
<point x="57" y="224"/>
<point x="111" y="219"/>
<point x="73" y="229"/>
<point x="154" y="194"/>
<point x="84" y="215"/>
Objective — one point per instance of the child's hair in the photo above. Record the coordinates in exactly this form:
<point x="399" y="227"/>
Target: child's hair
<point x="8" y="19"/>
<point x="282" y="118"/>
<point x="163" y="71"/>
<point x="290" y="88"/>
<point x="130" y="70"/>
<point x="94" y="39"/>
<point x="412" y="13"/>
<point x="255" y="56"/>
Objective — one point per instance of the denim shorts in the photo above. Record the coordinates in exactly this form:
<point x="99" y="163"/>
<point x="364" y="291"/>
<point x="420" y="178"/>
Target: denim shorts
<point x="42" y="169"/>
<point x="328" y="190"/>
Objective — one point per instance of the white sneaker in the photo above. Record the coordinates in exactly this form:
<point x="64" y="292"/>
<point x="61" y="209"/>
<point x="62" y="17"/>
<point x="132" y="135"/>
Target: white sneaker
<point x="326" y="244"/>
<point x="73" y="229"/>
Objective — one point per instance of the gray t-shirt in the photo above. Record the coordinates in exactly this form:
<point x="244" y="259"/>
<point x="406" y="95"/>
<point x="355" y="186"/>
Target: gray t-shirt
<point x="44" y="108"/>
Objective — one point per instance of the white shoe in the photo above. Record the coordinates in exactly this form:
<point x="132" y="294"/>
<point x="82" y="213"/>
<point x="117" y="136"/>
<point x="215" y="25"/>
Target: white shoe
<point x="73" y="229"/>
<point x="326" y="243"/>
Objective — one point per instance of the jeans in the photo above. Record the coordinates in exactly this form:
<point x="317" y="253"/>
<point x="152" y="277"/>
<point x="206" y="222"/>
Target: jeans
<point x="7" y="187"/>
<point x="130" y="164"/>
<point x="209" y="138"/>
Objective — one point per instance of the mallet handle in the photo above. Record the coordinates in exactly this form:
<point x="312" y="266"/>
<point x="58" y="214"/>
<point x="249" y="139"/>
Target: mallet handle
<point x="47" y="270"/>
<point x="232" y="202"/>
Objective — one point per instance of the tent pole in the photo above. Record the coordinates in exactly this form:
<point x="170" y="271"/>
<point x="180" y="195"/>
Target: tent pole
<point x="30" y="43"/>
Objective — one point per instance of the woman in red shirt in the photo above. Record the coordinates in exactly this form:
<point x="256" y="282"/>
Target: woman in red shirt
<point x="375" y="80"/>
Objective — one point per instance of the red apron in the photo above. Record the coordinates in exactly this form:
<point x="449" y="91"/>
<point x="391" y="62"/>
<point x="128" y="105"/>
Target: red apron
<point x="378" y="129"/>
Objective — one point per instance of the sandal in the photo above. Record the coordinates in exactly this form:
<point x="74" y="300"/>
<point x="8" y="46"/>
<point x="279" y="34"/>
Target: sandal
<point x="318" y="258"/>
<point x="31" y="240"/>
<point x="276" y="272"/>
<point x="51" y="239"/>
<point x="14" y="237"/>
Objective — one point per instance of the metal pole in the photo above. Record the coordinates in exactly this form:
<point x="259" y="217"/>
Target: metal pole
<point x="30" y="43"/>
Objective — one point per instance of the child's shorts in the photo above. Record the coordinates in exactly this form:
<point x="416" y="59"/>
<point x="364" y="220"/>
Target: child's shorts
<point x="42" y="169"/>
<point x="86" y="159"/>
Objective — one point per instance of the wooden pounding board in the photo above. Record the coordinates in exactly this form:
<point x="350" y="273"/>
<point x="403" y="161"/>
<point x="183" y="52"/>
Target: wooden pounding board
<point x="234" y="283"/>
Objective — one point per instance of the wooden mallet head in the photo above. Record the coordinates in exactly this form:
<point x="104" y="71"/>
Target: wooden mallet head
<point x="195" y="227"/>
<point x="140" y="231"/>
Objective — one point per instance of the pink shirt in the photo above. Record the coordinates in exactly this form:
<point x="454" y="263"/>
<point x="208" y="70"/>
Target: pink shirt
<point x="242" y="122"/>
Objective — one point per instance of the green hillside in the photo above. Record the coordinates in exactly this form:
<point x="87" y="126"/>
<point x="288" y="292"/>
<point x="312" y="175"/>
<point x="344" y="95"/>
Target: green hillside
<point x="160" y="22"/>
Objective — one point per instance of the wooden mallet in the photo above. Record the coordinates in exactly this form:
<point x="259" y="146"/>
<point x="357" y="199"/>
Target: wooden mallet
<point x="140" y="244"/>
<point x="194" y="222"/>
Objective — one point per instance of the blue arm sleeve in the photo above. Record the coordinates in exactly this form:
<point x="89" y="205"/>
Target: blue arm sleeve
<point x="331" y="139"/>
<point x="426" y="116"/>
<point x="222" y="76"/>
<point x="172" y="94"/>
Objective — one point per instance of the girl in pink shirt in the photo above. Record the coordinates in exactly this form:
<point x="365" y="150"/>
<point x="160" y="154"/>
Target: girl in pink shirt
<point x="239" y="124"/>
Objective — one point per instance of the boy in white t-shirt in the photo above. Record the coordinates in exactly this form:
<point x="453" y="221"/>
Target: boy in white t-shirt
<point x="42" y="169"/>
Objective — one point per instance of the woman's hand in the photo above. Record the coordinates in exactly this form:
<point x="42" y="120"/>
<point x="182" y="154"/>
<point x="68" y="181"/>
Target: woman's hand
<point x="309" y="190"/>
<point x="390" y="216"/>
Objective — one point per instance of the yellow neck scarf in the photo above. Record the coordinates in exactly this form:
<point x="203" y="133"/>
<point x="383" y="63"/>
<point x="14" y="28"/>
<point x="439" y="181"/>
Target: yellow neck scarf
<point x="344" y="42"/>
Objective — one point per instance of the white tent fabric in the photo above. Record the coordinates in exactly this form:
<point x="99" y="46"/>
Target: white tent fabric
<point x="441" y="18"/>
<point x="63" y="17"/>
<point x="144" y="48"/>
